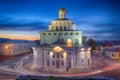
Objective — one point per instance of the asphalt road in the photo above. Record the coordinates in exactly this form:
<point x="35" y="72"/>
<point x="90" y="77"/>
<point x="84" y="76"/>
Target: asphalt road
<point x="11" y="69"/>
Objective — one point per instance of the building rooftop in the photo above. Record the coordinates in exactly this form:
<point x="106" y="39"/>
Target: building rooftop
<point x="113" y="50"/>
<point x="16" y="41"/>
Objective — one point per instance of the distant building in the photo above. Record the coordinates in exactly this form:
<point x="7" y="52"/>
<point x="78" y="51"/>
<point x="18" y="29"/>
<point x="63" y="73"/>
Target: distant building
<point x="110" y="46"/>
<point x="113" y="53"/>
<point x="15" y="48"/>
<point x="62" y="48"/>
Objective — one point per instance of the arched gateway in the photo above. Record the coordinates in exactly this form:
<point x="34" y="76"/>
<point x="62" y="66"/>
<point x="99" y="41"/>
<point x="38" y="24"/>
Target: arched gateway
<point x="58" y="55"/>
<point x="61" y="46"/>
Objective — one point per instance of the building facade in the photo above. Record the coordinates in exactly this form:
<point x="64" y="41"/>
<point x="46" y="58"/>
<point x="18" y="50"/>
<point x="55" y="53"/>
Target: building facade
<point x="113" y="53"/>
<point x="62" y="29"/>
<point x="13" y="49"/>
<point x="61" y="47"/>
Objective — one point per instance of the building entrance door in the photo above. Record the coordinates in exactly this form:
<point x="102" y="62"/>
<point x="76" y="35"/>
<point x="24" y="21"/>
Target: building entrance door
<point x="57" y="64"/>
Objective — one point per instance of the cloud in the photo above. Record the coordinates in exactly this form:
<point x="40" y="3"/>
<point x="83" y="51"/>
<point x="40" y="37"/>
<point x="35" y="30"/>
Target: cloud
<point x="102" y="30"/>
<point x="7" y="23"/>
<point x="27" y="26"/>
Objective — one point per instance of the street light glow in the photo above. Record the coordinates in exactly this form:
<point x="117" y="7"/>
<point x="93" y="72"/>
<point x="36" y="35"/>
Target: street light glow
<point x="6" y="47"/>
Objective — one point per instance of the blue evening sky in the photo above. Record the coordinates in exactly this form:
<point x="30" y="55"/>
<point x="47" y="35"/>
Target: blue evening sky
<point x="99" y="19"/>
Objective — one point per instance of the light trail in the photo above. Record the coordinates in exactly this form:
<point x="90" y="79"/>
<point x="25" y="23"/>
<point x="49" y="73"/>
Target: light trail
<point x="19" y="69"/>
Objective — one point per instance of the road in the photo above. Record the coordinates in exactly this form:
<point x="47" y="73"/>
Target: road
<point x="12" y="69"/>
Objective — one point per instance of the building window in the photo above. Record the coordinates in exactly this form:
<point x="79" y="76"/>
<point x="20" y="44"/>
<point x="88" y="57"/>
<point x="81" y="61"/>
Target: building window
<point x="56" y="28"/>
<point x="81" y="60"/>
<point x="48" y="64"/>
<point x="57" y="64"/>
<point x="119" y="55"/>
<point x="65" y="28"/>
<point x="76" y="41"/>
<point x="49" y="33"/>
<point x="61" y="56"/>
<point x="60" y="33"/>
<point x="48" y="53"/>
<point x="65" y="33"/>
<point x="62" y="63"/>
<point x="76" y="33"/>
<point x="57" y="55"/>
<point x="54" y="33"/>
<point x="88" y="61"/>
<point x="69" y="43"/>
<point x="54" y="56"/>
<point x="60" y="28"/>
<point x="53" y="63"/>
<point x="62" y="40"/>
<point x="44" y="33"/>
<point x="71" y="33"/>
<point x="69" y="53"/>
<point x="113" y="55"/>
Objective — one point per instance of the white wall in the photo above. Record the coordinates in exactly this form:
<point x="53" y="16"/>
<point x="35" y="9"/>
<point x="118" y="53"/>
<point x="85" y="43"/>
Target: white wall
<point x="49" y="39"/>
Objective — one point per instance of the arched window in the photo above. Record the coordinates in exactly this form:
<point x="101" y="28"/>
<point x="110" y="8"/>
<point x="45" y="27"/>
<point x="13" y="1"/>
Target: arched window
<point x="69" y="43"/>
<point x="48" y="53"/>
<point x="49" y="33"/>
<point x="44" y="33"/>
<point x="76" y="41"/>
<point x="60" y="28"/>
<point x="56" y="28"/>
<point x="65" y="28"/>
<point x="65" y="33"/>
<point x="76" y="33"/>
<point x="71" y="33"/>
<point x="60" y="33"/>
<point x="82" y="60"/>
<point x="62" y="40"/>
<point x="88" y="61"/>
<point x="62" y="63"/>
<point x="54" y="33"/>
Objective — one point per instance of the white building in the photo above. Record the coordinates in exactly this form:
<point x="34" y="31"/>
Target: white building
<point x="13" y="48"/>
<point x="113" y="53"/>
<point x="61" y="47"/>
<point x="62" y="29"/>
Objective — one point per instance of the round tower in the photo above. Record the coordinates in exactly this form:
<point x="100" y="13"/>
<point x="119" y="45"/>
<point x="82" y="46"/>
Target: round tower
<point x="62" y="13"/>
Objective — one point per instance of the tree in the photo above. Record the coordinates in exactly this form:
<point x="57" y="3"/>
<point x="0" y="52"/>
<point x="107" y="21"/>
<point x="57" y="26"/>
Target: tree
<point x="92" y="43"/>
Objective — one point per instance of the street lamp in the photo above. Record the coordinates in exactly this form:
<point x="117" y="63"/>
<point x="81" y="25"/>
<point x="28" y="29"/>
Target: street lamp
<point x="6" y="47"/>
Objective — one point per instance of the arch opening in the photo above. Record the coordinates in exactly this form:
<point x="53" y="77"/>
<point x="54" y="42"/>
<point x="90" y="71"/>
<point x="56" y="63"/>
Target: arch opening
<point x="69" y="43"/>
